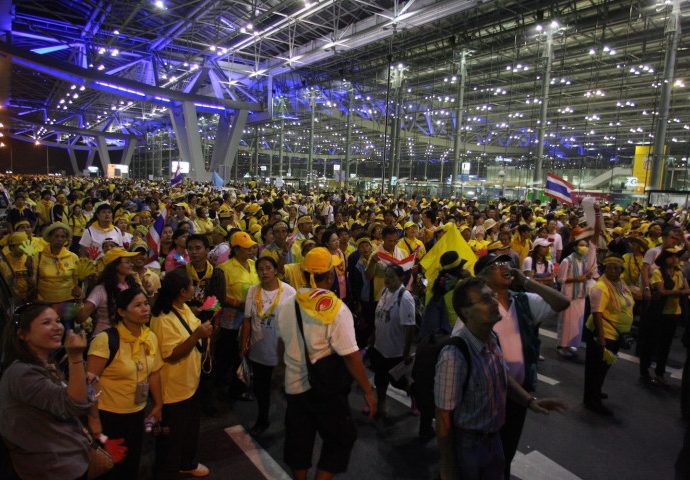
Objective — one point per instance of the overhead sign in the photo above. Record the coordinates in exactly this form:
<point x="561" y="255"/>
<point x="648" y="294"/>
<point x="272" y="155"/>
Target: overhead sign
<point x="184" y="166"/>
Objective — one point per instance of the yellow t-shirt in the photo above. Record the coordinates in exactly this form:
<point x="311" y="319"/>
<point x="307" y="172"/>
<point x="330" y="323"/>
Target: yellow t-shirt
<point x="119" y="380"/>
<point x="203" y="226"/>
<point x="632" y="267"/>
<point x="294" y="276"/>
<point x="672" y="305"/>
<point x="615" y="320"/>
<point x="405" y="243"/>
<point x="179" y="379"/>
<point x="237" y="278"/>
<point x="78" y="224"/>
<point x="56" y="275"/>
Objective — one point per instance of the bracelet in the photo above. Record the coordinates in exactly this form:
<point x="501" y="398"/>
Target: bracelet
<point x="529" y="402"/>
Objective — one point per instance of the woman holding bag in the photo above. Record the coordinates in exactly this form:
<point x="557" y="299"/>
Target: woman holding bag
<point x="260" y="335"/>
<point x="126" y="377"/>
<point x="180" y="334"/>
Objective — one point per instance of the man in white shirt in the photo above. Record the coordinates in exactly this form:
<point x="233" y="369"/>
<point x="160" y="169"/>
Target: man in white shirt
<point x="319" y="321"/>
<point x="98" y="231"/>
<point x="518" y="333"/>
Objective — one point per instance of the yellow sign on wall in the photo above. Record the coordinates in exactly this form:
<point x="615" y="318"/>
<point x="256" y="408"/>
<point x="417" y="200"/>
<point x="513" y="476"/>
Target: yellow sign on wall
<point x="641" y="164"/>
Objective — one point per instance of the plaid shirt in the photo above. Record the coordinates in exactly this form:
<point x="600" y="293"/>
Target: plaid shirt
<point x="483" y="406"/>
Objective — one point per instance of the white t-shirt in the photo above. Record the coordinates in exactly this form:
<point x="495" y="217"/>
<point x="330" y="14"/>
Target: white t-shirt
<point x="508" y="332"/>
<point x="391" y="319"/>
<point x="556" y="244"/>
<point x="542" y="269"/>
<point x="322" y="340"/>
<point x="94" y="237"/>
<point x="263" y="346"/>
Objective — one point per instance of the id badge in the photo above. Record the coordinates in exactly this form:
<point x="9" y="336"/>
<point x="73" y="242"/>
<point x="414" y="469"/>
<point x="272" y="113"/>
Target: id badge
<point x="142" y="393"/>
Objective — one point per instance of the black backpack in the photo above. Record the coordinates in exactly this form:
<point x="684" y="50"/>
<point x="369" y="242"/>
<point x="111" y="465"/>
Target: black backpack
<point x="424" y="369"/>
<point x="113" y="344"/>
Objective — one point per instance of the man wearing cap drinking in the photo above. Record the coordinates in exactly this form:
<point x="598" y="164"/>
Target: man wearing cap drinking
<point x="321" y="325"/>
<point x="518" y="332"/>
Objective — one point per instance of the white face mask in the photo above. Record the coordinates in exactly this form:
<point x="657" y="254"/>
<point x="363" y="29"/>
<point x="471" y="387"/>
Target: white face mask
<point x="583" y="250"/>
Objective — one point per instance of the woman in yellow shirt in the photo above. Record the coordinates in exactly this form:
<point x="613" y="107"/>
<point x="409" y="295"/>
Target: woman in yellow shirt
<point x="612" y="307"/>
<point x="56" y="273"/>
<point x="657" y="329"/>
<point x="240" y="275"/>
<point x="125" y="378"/>
<point x="202" y="224"/>
<point x="180" y="337"/>
<point x="77" y="221"/>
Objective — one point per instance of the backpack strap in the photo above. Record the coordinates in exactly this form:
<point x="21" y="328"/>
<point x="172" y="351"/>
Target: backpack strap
<point x="113" y="344"/>
<point x="199" y="345"/>
<point x="461" y="345"/>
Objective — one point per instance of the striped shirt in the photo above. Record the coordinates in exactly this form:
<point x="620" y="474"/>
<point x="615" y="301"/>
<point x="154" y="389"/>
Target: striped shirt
<point x="483" y="406"/>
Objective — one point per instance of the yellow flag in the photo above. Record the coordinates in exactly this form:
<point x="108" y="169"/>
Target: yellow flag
<point x="450" y="241"/>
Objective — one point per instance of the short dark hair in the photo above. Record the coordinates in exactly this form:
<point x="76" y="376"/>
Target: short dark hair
<point x="200" y="238"/>
<point x="461" y="292"/>
<point x="388" y="230"/>
<point x="270" y="260"/>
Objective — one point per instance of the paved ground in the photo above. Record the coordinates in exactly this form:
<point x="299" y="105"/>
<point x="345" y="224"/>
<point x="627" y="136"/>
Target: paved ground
<point x="640" y="442"/>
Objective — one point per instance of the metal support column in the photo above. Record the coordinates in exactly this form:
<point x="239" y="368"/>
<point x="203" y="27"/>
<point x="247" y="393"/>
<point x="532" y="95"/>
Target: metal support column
<point x="255" y="153"/>
<point x="312" y="105"/>
<point x="348" y="137"/>
<point x="227" y="141"/>
<point x="130" y="147"/>
<point x="73" y="161"/>
<point x="458" y="145"/>
<point x="103" y="154"/>
<point x="673" y="32"/>
<point x="538" y="178"/>
<point x="395" y="134"/>
<point x="185" y="123"/>
<point x="281" y="142"/>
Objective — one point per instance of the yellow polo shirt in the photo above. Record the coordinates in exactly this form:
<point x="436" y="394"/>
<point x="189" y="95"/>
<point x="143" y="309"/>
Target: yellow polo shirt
<point x="56" y="275"/>
<point x="179" y="379"/>
<point x="405" y="243"/>
<point x="119" y="379"/>
<point x="672" y="305"/>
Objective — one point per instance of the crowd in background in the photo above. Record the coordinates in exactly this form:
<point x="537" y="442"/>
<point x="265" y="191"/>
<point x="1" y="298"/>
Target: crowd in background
<point x="166" y="292"/>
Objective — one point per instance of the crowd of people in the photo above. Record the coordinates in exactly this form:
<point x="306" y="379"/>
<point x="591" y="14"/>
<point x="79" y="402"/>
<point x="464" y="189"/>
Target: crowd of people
<point x="138" y="305"/>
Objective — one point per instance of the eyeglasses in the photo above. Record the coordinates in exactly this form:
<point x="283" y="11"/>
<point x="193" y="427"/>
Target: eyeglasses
<point x="505" y="264"/>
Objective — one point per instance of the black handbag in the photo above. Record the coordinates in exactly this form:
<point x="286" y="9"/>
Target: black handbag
<point x="329" y="376"/>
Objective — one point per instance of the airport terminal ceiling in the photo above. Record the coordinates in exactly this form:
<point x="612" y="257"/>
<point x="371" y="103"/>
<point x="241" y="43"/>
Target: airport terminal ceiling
<point x="394" y="71"/>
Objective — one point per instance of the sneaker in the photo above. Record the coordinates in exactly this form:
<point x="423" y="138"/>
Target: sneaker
<point x="598" y="407"/>
<point x="200" y="471"/>
<point x="573" y="350"/>
<point x="564" y="352"/>
<point x="259" y="428"/>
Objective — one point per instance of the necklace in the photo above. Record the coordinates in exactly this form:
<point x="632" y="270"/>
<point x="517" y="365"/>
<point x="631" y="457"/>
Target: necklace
<point x="259" y="304"/>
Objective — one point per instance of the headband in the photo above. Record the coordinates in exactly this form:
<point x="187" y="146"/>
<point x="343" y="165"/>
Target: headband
<point x="458" y="261"/>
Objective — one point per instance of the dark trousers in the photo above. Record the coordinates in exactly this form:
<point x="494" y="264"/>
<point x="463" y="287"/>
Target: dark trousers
<point x="382" y="366"/>
<point x="262" y="375"/>
<point x="685" y="388"/>
<point x="595" y="366"/>
<point x="655" y="342"/>
<point x="478" y="457"/>
<point x="130" y="427"/>
<point x="177" y="450"/>
<point x="511" y="432"/>
<point x="227" y="356"/>
<point x="364" y="325"/>
<point x="330" y="417"/>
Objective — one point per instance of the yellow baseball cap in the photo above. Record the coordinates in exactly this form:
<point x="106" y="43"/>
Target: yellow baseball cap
<point x="114" y="253"/>
<point x="319" y="260"/>
<point x="241" y="239"/>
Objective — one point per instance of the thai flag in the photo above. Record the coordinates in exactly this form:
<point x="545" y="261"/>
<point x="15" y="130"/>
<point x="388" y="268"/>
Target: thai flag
<point x="558" y="188"/>
<point x="153" y="237"/>
<point x="177" y="178"/>
<point x="406" y="263"/>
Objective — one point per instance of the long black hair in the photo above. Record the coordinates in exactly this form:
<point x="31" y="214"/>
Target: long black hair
<point x="14" y="348"/>
<point x="124" y="298"/>
<point x="110" y="283"/>
<point x="171" y="286"/>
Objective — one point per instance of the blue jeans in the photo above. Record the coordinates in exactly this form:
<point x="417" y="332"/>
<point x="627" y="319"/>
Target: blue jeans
<point x="479" y="457"/>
